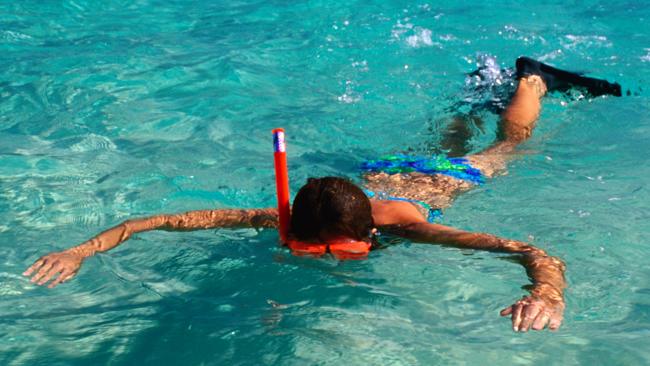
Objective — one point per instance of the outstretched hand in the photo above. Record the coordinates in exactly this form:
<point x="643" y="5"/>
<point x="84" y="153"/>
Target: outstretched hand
<point x="536" y="313"/>
<point x="63" y="264"/>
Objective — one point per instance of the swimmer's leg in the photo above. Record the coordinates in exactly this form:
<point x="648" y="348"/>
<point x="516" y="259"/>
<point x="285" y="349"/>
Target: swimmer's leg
<point x="535" y="78"/>
<point x="516" y="125"/>
<point x="457" y="134"/>
<point x="518" y="119"/>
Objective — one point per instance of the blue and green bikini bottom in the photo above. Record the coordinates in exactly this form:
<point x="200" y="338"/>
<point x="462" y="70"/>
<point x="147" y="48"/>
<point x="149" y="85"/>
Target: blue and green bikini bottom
<point x="458" y="168"/>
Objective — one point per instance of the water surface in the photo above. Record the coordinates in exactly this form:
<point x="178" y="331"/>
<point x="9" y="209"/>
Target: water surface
<point x="117" y="109"/>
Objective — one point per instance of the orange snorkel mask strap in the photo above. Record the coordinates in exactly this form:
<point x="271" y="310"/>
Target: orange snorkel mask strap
<point x="282" y="182"/>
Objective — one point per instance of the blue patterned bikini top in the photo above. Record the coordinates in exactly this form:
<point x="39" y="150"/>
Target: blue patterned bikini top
<point x="432" y="213"/>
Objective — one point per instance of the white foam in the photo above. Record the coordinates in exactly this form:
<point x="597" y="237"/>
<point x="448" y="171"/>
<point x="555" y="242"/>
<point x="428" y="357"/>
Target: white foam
<point x="421" y="38"/>
<point x="550" y="55"/>
<point x="399" y="29"/>
<point x="415" y="36"/>
<point x="11" y="36"/>
<point x="361" y="65"/>
<point x="646" y="57"/>
<point x="575" y="41"/>
<point x="349" y="96"/>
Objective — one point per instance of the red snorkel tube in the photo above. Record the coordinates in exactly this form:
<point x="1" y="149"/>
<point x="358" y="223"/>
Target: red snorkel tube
<point x="281" y="181"/>
<point x="340" y="250"/>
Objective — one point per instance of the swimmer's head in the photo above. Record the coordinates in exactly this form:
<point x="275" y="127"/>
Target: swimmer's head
<point x="331" y="207"/>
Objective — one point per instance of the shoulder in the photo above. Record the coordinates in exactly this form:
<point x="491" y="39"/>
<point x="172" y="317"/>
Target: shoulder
<point x="385" y="213"/>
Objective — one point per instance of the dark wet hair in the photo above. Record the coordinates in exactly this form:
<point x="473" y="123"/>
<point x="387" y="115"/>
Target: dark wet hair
<point x="331" y="204"/>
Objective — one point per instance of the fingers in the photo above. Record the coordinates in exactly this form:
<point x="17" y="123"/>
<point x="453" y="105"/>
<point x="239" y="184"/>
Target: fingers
<point x="51" y="273"/>
<point x="534" y="313"/>
<point x="530" y="312"/>
<point x="516" y="315"/>
<point x="34" y="266"/>
<point x="55" y="267"/>
<point x="63" y="277"/>
<point x="541" y="321"/>
<point x="507" y="311"/>
<point x="556" y="320"/>
<point x="47" y="265"/>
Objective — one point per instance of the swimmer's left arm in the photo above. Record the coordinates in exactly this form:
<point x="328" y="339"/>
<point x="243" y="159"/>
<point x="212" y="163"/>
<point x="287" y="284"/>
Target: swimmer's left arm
<point x="545" y="304"/>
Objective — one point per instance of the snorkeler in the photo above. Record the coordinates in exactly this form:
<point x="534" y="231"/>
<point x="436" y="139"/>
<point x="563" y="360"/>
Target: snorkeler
<point x="332" y="215"/>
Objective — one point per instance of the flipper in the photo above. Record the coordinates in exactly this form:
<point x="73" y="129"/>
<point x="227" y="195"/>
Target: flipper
<point x="561" y="80"/>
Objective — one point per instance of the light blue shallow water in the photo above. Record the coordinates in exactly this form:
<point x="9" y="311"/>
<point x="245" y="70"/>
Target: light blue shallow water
<point x="116" y="109"/>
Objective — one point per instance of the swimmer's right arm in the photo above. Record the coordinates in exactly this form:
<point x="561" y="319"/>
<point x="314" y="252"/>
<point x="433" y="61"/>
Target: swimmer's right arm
<point x="65" y="265"/>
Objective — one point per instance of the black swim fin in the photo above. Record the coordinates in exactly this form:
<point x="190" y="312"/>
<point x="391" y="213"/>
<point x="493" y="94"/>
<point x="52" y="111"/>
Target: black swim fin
<point x="561" y="80"/>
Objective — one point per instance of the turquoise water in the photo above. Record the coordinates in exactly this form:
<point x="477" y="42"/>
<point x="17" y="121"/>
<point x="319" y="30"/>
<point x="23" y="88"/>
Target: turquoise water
<point x="117" y="109"/>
